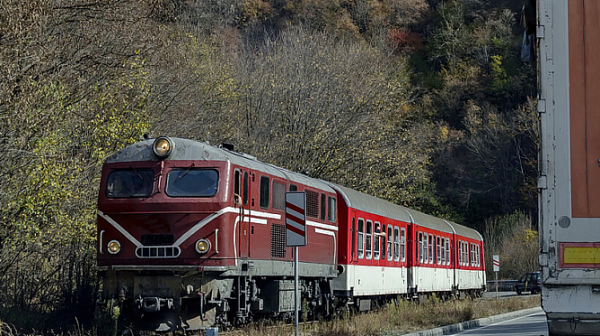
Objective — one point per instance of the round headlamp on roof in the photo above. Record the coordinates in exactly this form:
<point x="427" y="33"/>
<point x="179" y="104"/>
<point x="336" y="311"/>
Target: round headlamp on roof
<point x="162" y="147"/>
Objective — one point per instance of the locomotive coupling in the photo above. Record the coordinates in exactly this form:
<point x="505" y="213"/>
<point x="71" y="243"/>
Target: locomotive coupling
<point x="154" y="304"/>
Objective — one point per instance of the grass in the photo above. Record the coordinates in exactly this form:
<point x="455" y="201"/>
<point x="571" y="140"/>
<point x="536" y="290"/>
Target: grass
<point x="401" y="318"/>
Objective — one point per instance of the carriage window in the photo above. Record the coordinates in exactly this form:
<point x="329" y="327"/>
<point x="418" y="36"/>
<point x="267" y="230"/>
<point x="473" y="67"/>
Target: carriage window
<point x="264" y="192"/>
<point x="245" y="196"/>
<point x="438" y="252"/>
<point x="431" y="248"/>
<point x="188" y="182"/>
<point x="396" y="244"/>
<point x="278" y="196"/>
<point x="403" y="245"/>
<point x="425" y="248"/>
<point x="361" y="243"/>
<point x="447" y="251"/>
<point x="443" y="249"/>
<point x="369" y="239"/>
<point x="383" y="243"/>
<point x="130" y="183"/>
<point x="322" y="207"/>
<point x="331" y="209"/>
<point x="377" y="244"/>
<point x="389" y="242"/>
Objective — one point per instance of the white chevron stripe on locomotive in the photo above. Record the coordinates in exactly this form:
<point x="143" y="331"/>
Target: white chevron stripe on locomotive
<point x="211" y="217"/>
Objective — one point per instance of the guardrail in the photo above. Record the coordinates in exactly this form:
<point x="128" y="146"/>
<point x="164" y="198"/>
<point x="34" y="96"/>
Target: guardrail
<point x="503" y="285"/>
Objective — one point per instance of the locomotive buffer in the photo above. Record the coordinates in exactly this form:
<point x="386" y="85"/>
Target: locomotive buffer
<point x="295" y="224"/>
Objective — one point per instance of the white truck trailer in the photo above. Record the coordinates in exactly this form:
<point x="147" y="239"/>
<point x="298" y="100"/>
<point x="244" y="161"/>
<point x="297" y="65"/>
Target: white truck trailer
<point x="568" y="35"/>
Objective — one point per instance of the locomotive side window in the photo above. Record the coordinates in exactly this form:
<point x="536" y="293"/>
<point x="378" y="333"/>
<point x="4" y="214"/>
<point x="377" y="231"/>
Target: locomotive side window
<point x="396" y="244"/>
<point x="369" y="239"/>
<point x="278" y="195"/>
<point x="187" y="182"/>
<point x="245" y="196"/>
<point x="237" y="179"/>
<point x="130" y="183"/>
<point x="389" y="242"/>
<point x="403" y="245"/>
<point x="361" y="244"/>
<point x="377" y="241"/>
<point x="293" y="187"/>
<point x="322" y="207"/>
<point x="264" y="192"/>
<point x="431" y="248"/>
<point x="331" y="210"/>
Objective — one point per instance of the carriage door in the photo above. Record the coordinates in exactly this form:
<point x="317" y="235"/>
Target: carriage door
<point x="353" y="252"/>
<point x="242" y="189"/>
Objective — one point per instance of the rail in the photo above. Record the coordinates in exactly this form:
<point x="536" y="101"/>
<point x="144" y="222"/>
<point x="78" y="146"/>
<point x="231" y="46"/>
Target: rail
<point x="503" y="285"/>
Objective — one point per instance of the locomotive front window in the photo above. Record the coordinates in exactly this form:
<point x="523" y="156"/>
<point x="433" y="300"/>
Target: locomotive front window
<point x="187" y="182"/>
<point x="130" y="183"/>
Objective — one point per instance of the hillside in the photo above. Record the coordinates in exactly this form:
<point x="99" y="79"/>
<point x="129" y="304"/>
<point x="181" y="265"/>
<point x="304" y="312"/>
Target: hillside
<point x="426" y="103"/>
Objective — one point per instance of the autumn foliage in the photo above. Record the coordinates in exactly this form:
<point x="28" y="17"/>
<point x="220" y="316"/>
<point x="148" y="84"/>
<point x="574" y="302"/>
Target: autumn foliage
<point x="423" y="103"/>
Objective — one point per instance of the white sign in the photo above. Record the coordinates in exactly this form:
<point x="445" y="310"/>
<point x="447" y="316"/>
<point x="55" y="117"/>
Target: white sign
<point x="496" y="263"/>
<point x="295" y="218"/>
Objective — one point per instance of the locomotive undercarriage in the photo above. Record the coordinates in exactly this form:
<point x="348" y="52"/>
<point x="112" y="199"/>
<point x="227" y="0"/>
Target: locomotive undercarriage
<point x="173" y="298"/>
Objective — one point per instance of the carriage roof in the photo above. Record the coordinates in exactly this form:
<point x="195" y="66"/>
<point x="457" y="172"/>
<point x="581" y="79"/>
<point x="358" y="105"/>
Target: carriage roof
<point x="377" y="206"/>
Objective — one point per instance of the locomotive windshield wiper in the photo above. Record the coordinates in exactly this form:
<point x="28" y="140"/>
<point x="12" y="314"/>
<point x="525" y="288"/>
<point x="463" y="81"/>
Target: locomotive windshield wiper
<point x="138" y="174"/>
<point x="186" y="171"/>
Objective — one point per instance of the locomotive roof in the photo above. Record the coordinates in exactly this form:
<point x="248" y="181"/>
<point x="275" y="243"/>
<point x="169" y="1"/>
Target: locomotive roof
<point x="186" y="149"/>
<point x="377" y="206"/>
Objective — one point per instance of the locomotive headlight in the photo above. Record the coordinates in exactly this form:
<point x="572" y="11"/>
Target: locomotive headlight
<point x="114" y="247"/>
<point x="202" y="246"/>
<point x="162" y="147"/>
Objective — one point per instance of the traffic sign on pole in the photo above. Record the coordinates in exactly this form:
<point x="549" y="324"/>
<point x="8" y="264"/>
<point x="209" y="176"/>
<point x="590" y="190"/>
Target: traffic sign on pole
<point x="295" y="224"/>
<point x="295" y="218"/>
<point x="496" y="262"/>
<point x="496" y="259"/>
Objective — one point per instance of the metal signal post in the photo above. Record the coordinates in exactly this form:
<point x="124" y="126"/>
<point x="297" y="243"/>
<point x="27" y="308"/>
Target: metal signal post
<point x="295" y="223"/>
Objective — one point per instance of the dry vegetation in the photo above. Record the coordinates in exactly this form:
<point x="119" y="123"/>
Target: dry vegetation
<point x="402" y="318"/>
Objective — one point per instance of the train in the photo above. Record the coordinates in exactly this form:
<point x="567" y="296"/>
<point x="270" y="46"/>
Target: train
<point x="192" y="236"/>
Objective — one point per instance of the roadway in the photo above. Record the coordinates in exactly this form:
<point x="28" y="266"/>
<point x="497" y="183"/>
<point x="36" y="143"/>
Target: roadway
<point x="533" y="324"/>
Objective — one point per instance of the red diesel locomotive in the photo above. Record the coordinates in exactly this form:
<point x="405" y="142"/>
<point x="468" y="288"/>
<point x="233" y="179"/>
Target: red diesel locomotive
<point x="192" y="236"/>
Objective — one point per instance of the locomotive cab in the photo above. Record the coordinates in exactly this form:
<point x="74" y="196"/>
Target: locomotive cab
<point x="156" y="231"/>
